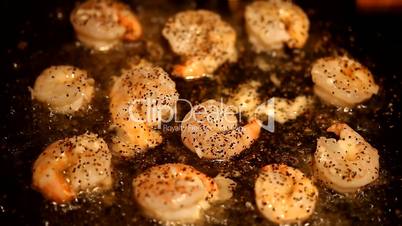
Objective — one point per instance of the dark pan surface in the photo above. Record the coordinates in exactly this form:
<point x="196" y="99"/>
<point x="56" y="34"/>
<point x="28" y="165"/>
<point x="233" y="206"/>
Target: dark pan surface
<point x="39" y="35"/>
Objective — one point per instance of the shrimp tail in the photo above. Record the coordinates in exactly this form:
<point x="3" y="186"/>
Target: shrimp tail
<point x="58" y="192"/>
<point x="53" y="185"/>
<point x="337" y="128"/>
<point x="189" y="69"/>
<point x="253" y="129"/>
<point x="129" y="22"/>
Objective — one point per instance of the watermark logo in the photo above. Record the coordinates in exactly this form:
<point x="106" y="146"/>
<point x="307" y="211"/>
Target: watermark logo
<point x="215" y="113"/>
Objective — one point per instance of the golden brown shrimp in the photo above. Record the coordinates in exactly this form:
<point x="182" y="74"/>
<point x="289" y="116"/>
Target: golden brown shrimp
<point x="65" y="89"/>
<point x="140" y="99"/>
<point x="285" y="195"/>
<point x="174" y="192"/>
<point x="73" y="165"/>
<point x="101" y="24"/>
<point x="342" y="81"/>
<point x="202" y="39"/>
<point x="271" y="24"/>
<point x="211" y="130"/>
<point x="347" y="164"/>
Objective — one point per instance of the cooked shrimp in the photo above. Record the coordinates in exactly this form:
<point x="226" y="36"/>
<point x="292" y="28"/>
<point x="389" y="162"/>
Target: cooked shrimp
<point x="226" y="186"/>
<point x="283" y="110"/>
<point x="347" y="164"/>
<point x="65" y="89"/>
<point x="71" y="166"/>
<point x="285" y="195"/>
<point x="247" y="100"/>
<point x="141" y="98"/>
<point x="174" y="192"/>
<point x="210" y="130"/>
<point x="246" y="97"/>
<point x="101" y="24"/>
<point x="202" y="39"/>
<point x="341" y="81"/>
<point x="271" y="24"/>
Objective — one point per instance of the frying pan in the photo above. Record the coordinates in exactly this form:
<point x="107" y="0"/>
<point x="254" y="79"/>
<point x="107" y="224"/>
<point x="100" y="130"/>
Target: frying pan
<point x="37" y="34"/>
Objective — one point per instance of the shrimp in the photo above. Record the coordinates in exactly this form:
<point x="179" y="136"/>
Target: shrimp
<point x="68" y="167"/>
<point x="285" y="195"/>
<point x="101" y="24"/>
<point x="226" y="187"/>
<point x="246" y="97"/>
<point x="174" y="192"/>
<point x="65" y="89"/>
<point x="343" y="82"/>
<point x="271" y="24"/>
<point x="347" y="164"/>
<point x="210" y="130"/>
<point x="140" y="99"/>
<point x="283" y="110"/>
<point x="202" y="39"/>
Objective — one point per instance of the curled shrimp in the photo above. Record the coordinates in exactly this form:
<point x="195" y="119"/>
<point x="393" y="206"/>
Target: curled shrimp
<point x="246" y="97"/>
<point x="283" y="109"/>
<point x="140" y="99"/>
<point x="285" y="195"/>
<point x="347" y="164"/>
<point x="65" y="89"/>
<point x="211" y="130"/>
<point x="174" y="192"/>
<point x="81" y="164"/>
<point x="202" y="39"/>
<point x="271" y="24"/>
<point x="342" y="81"/>
<point x="101" y="24"/>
